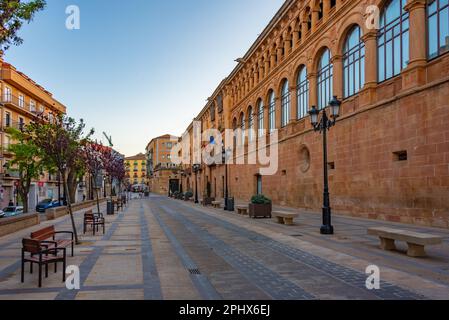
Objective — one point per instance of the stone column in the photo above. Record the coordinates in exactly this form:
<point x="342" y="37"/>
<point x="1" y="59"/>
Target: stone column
<point x="414" y="74"/>
<point x="279" y="50"/>
<point x="287" y="44"/>
<point x="337" y="81"/>
<point x="272" y="60"/>
<point x="304" y="26"/>
<point x="326" y="8"/>
<point x="255" y="77"/>
<point x="418" y="43"/>
<point x="267" y="65"/>
<point x="315" y="13"/>
<point x="368" y="93"/>
<point x="295" y="36"/>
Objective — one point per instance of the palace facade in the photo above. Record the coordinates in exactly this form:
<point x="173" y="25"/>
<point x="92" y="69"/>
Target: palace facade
<point x="388" y="154"/>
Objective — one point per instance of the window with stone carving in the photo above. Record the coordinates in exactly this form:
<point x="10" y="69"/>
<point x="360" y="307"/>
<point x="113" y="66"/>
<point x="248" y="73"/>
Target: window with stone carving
<point x="324" y="79"/>
<point x="393" y="40"/>
<point x="272" y="112"/>
<point x="353" y="62"/>
<point x="285" y="104"/>
<point x="302" y="93"/>
<point x="260" y="117"/>
<point x="438" y="27"/>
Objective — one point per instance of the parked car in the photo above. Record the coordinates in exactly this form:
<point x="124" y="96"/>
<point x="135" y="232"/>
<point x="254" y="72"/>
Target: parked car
<point x="11" y="211"/>
<point x="47" y="204"/>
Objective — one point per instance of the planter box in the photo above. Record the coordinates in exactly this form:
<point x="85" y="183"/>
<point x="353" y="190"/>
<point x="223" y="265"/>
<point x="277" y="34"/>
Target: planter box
<point x="54" y="213"/>
<point x="14" y="224"/>
<point x="259" y="210"/>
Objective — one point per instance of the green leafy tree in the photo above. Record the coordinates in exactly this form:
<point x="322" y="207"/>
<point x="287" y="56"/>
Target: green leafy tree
<point x="13" y="13"/>
<point x="26" y="161"/>
<point x="60" y="144"/>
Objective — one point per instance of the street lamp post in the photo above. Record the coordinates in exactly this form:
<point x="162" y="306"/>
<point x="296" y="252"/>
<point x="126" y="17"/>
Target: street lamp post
<point x="323" y="125"/>
<point x="196" y="167"/>
<point x="225" y="157"/>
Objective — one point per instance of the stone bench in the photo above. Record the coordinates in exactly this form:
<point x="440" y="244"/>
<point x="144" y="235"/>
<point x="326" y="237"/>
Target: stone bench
<point x="285" y="217"/>
<point x="242" y="209"/>
<point x="216" y="204"/>
<point x="415" y="241"/>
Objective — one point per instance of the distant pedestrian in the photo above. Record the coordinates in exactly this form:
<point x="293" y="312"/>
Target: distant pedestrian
<point x="10" y="204"/>
<point x="84" y="197"/>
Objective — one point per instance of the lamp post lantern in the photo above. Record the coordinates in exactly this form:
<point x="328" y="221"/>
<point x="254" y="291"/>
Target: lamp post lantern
<point x="225" y="154"/>
<point x="323" y="125"/>
<point x="196" y="168"/>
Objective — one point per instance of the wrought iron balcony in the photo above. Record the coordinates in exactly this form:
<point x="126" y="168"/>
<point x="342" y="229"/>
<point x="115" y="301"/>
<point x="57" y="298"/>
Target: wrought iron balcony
<point x="18" y="104"/>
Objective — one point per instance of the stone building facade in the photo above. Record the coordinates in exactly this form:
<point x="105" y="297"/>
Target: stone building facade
<point x="163" y="174"/>
<point x="388" y="154"/>
<point x="21" y="101"/>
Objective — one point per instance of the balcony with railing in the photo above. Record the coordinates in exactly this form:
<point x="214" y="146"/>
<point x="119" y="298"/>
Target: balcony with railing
<point x="19" y="125"/>
<point x="19" y="80"/>
<point x="18" y="104"/>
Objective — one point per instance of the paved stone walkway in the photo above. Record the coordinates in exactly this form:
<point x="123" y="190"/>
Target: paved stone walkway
<point x="159" y="248"/>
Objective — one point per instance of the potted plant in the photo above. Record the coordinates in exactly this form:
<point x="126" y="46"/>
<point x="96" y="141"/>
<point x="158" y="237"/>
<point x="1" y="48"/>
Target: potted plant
<point x="260" y="207"/>
<point x="188" y="195"/>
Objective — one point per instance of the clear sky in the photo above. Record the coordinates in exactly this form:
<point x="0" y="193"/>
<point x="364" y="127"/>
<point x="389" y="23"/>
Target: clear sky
<point x="138" y="69"/>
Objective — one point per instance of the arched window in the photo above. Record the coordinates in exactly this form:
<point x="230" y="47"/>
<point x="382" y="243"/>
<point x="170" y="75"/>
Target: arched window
<point x="353" y="62"/>
<point x="250" y="124"/>
<point x="260" y="117"/>
<point x="393" y="40"/>
<point x="302" y="93"/>
<point x="242" y="127"/>
<point x="438" y="29"/>
<point x="285" y="104"/>
<point x="272" y="112"/>
<point x="324" y="79"/>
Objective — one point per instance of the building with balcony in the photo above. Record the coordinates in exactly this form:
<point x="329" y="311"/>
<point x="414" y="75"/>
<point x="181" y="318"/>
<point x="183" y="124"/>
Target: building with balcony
<point x="136" y="169"/>
<point x="21" y="100"/>
<point x="388" y="154"/>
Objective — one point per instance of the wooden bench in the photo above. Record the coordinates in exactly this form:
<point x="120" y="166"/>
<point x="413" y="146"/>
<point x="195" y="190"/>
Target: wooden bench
<point x="93" y="220"/>
<point x="31" y="249"/>
<point x="285" y="217"/>
<point x="415" y="241"/>
<point x="48" y="236"/>
<point x="216" y="204"/>
<point x="242" y="209"/>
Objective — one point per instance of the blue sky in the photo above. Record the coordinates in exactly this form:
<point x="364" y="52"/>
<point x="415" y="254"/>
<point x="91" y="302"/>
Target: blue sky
<point x="138" y="68"/>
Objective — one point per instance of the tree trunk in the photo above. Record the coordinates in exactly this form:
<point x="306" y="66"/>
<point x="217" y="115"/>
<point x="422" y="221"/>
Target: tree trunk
<point x="24" y="197"/>
<point x="96" y="192"/>
<point x="23" y="191"/>
<point x="71" y="184"/>
<point x="69" y="206"/>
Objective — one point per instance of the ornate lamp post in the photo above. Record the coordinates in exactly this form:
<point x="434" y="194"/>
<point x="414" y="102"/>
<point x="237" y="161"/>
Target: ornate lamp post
<point x="225" y="155"/>
<point x="196" y="168"/>
<point x="323" y="125"/>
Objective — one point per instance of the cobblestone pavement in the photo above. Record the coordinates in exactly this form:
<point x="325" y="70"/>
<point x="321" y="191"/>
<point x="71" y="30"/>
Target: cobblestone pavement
<point x="159" y="248"/>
